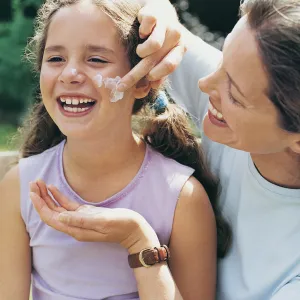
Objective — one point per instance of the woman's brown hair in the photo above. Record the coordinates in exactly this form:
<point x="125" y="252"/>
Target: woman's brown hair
<point x="167" y="131"/>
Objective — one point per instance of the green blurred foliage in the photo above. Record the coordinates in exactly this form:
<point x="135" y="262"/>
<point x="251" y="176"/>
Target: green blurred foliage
<point x="17" y="82"/>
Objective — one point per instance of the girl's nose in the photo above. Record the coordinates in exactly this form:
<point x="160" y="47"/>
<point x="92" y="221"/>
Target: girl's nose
<point x="71" y="75"/>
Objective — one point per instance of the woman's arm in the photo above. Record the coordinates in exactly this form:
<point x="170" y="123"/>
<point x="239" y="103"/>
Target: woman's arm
<point x="193" y="244"/>
<point x="15" y="255"/>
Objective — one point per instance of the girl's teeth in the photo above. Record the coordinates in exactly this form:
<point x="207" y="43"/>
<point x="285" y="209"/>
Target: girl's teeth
<point x="215" y="112"/>
<point x="75" y="101"/>
<point x="75" y="109"/>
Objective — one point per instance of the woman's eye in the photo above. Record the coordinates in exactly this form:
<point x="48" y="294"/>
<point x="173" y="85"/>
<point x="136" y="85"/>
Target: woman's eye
<point x="98" y="60"/>
<point x="55" y="59"/>
<point x="231" y="98"/>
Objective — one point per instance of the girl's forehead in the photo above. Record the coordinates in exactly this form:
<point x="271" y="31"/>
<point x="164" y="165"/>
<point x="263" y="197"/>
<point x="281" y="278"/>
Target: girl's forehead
<point x="83" y="22"/>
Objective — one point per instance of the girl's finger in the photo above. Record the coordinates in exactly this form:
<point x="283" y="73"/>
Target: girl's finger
<point x="47" y="198"/>
<point x="83" y="220"/>
<point x="63" y="200"/>
<point x="50" y="217"/>
<point x="33" y="187"/>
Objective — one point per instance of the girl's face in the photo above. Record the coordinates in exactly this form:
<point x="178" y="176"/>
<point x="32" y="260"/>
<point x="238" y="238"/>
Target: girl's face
<point x="238" y="91"/>
<point x="83" y="41"/>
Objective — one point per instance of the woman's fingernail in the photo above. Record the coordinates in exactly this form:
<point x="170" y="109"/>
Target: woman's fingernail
<point x="121" y="87"/>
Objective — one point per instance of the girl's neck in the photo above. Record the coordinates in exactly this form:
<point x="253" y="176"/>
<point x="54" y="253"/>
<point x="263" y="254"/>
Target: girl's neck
<point x="282" y="169"/>
<point x="101" y="156"/>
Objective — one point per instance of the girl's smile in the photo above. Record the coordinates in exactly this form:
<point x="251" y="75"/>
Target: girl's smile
<point x="75" y="105"/>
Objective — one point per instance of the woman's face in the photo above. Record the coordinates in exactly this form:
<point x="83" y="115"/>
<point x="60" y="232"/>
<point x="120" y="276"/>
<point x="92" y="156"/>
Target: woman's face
<point x="82" y="41"/>
<point x="241" y="115"/>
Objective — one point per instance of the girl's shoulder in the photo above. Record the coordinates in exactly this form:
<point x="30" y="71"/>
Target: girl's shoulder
<point x="10" y="190"/>
<point x="164" y="164"/>
<point x="42" y="159"/>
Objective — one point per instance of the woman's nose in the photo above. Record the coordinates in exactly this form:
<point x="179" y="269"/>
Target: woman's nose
<point x="209" y="84"/>
<point x="72" y="75"/>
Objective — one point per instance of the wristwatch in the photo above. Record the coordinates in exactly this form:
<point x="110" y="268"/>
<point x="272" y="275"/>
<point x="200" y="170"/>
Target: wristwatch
<point x="149" y="257"/>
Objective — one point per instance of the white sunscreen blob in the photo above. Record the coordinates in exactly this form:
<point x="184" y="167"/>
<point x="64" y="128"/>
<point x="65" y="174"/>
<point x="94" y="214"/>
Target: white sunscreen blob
<point x="112" y="84"/>
<point x="99" y="79"/>
<point x="74" y="71"/>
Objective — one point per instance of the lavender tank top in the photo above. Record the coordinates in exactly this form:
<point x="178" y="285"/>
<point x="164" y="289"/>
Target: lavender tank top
<point x="66" y="269"/>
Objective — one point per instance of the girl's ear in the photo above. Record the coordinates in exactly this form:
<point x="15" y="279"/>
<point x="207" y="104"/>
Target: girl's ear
<point x="142" y="89"/>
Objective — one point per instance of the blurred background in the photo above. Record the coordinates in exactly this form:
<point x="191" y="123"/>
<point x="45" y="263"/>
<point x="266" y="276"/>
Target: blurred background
<point x="212" y="20"/>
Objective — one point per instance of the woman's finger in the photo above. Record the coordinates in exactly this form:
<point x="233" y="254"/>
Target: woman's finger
<point x="62" y="199"/>
<point x="147" y="22"/>
<point x="154" y="42"/>
<point x="158" y="83"/>
<point x="168" y="64"/>
<point x="47" y="198"/>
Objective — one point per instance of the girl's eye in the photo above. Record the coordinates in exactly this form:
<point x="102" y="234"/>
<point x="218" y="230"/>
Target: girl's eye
<point x="55" y="59"/>
<point x="98" y="60"/>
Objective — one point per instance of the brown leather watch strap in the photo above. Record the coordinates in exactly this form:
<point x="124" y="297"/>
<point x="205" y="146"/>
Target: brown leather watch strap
<point x="149" y="257"/>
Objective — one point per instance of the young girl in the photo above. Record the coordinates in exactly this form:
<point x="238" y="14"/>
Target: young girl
<point x="80" y="139"/>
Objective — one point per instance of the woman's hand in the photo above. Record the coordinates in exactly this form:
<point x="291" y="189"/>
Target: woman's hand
<point x="89" y="223"/>
<point x="164" y="48"/>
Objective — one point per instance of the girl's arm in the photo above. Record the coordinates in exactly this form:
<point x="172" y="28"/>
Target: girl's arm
<point x="15" y="254"/>
<point x="193" y="244"/>
<point x="98" y="224"/>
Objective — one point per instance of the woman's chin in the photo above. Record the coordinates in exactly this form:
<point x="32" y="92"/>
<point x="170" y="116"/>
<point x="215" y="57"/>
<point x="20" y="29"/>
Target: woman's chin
<point x="216" y="133"/>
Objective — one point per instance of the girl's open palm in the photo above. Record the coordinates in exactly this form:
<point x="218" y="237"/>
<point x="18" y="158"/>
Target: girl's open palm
<point x="87" y="222"/>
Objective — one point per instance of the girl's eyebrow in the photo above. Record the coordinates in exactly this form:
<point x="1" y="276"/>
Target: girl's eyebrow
<point x="55" y="48"/>
<point x="98" y="48"/>
<point x="89" y="47"/>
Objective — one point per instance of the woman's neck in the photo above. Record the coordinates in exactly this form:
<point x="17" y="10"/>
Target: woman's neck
<point x="282" y="169"/>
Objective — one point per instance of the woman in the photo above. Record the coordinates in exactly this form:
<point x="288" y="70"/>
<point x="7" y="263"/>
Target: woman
<point x="252" y="141"/>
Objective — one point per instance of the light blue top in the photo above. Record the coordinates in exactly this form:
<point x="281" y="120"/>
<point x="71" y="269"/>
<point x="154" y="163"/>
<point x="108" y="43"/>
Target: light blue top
<point x="264" y="261"/>
<point x="66" y="269"/>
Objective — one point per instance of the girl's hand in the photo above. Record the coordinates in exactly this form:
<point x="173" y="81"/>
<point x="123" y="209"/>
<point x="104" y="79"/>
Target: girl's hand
<point x="89" y="223"/>
<point x="164" y="48"/>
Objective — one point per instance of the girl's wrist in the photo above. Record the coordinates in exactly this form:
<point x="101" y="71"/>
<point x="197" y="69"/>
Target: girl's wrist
<point x="145" y="237"/>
